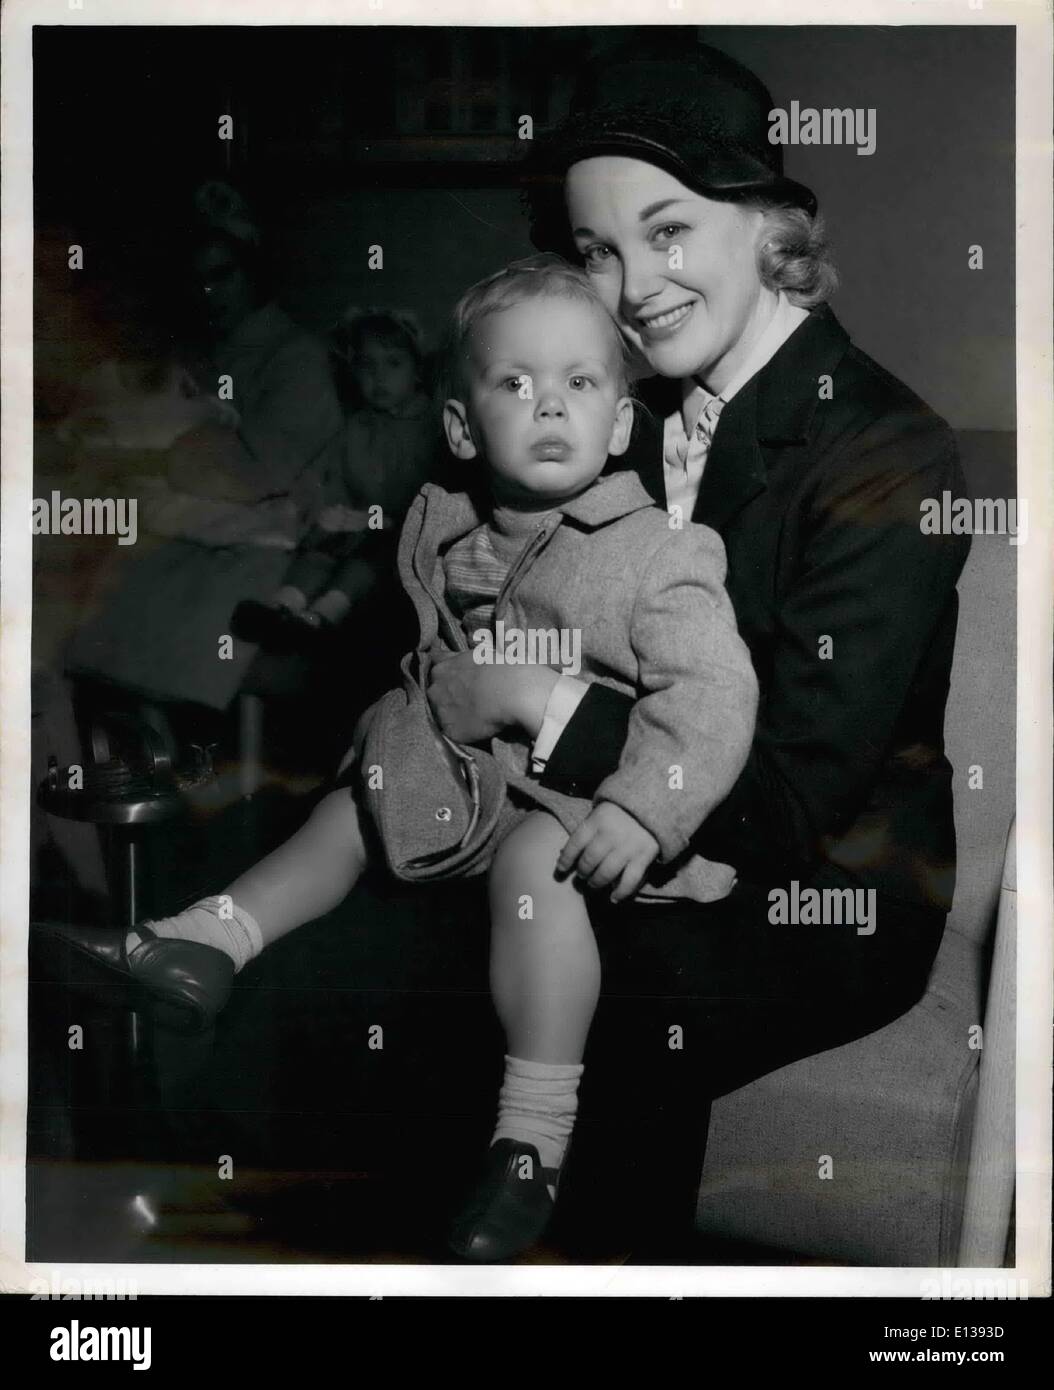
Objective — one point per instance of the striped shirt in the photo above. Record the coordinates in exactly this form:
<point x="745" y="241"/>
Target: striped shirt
<point x="476" y="566"/>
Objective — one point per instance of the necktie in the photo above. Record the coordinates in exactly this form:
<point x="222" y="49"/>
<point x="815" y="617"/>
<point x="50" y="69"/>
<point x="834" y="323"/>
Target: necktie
<point x="703" y="433"/>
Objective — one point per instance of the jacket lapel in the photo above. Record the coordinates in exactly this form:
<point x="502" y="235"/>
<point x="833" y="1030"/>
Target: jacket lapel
<point x="776" y="407"/>
<point x="735" y="470"/>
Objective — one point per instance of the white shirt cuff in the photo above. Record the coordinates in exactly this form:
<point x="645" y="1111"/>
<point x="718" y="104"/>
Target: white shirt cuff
<point x="564" y="698"/>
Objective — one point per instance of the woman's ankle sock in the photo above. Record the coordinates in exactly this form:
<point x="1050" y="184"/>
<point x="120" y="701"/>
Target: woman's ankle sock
<point x="537" y="1105"/>
<point x="216" y="922"/>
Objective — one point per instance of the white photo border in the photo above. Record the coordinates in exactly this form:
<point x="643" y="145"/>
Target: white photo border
<point x="1035" y="417"/>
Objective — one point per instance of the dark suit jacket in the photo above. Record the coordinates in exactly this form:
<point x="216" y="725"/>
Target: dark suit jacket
<point x="849" y="612"/>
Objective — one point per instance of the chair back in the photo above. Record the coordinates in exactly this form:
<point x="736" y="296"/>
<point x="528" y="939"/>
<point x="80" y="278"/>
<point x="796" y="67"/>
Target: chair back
<point x="979" y="730"/>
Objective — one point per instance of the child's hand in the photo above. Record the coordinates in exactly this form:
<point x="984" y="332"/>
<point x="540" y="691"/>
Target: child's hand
<point x="610" y="846"/>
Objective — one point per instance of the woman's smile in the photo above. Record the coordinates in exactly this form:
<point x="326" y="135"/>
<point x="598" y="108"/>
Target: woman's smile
<point x="656" y="326"/>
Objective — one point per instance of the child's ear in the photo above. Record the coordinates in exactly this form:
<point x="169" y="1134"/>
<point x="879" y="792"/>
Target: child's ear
<point x="622" y="428"/>
<point x="458" y="435"/>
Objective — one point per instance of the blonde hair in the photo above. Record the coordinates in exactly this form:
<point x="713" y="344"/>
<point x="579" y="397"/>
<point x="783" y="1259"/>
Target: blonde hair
<point x="794" y="256"/>
<point x="533" y="277"/>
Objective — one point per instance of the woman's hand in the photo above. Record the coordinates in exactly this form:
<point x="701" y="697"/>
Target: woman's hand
<point x="610" y="846"/>
<point x="472" y="703"/>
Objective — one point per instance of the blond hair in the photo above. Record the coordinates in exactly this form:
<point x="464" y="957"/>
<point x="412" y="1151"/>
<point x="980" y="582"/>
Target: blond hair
<point x="794" y="256"/>
<point x="533" y="277"/>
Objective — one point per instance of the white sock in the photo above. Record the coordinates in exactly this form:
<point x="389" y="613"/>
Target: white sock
<point x="217" y="922"/>
<point x="537" y="1105"/>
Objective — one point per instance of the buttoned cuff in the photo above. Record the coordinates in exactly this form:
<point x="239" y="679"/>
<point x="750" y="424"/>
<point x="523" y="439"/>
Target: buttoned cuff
<point x="564" y="698"/>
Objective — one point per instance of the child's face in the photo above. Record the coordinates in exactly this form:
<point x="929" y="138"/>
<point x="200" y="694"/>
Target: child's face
<point x="385" y="374"/>
<point x="543" y="408"/>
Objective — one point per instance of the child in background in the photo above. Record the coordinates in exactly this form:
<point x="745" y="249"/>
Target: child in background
<point x="389" y="444"/>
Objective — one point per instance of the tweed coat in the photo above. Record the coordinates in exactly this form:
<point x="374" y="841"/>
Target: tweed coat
<point x="646" y="604"/>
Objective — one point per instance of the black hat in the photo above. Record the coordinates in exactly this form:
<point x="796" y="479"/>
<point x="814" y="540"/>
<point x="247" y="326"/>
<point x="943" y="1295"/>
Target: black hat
<point x="676" y="103"/>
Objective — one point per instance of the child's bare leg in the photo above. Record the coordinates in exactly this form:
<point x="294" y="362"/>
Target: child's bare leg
<point x="305" y="877"/>
<point x="308" y="875"/>
<point x="545" y="968"/>
<point x="545" y="979"/>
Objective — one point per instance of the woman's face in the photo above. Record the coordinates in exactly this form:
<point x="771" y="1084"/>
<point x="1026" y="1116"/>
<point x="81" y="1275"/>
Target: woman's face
<point x="677" y="271"/>
<point x="228" y="291"/>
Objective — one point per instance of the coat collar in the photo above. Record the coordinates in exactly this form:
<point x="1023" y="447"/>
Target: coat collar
<point x="788" y="390"/>
<point x="775" y="407"/>
<point x="612" y="496"/>
<point x="695" y="395"/>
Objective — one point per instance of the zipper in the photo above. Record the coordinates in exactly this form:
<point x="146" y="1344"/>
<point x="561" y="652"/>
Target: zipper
<point x="446" y="618"/>
<point x="530" y="550"/>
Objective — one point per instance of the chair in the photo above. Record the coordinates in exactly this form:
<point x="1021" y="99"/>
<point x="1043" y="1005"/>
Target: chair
<point x="917" y="1118"/>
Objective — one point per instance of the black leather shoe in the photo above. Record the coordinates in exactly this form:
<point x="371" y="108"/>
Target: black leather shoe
<point x="506" y="1212"/>
<point x="253" y="621"/>
<point x="190" y="982"/>
<point x="280" y="629"/>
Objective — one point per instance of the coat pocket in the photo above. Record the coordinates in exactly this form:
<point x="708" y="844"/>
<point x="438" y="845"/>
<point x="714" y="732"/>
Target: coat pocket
<point x="434" y="803"/>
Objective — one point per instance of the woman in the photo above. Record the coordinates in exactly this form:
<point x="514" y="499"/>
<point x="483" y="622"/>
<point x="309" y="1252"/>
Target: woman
<point x="811" y="462"/>
<point x="288" y="423"/>
<point x="235" y="490"/>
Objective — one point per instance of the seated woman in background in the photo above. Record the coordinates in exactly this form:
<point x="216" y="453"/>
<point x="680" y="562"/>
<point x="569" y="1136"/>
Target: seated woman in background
<point x="285" y="431"/>
<point x="242" y="483"/>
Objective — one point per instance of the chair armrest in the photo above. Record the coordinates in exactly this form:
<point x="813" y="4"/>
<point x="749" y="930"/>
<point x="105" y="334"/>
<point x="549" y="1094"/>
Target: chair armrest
<point x="990" y="1181"/>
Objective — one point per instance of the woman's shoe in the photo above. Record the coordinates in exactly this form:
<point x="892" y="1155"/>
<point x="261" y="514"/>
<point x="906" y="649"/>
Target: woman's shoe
<point x="190" y="982"/>
<point x="506" y="1212"/>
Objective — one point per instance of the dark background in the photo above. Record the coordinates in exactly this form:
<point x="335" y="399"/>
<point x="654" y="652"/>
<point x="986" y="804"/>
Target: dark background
<point x="346" y="137"/>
